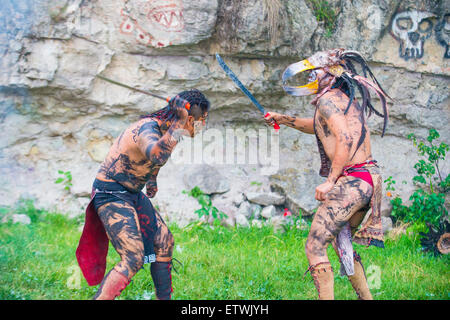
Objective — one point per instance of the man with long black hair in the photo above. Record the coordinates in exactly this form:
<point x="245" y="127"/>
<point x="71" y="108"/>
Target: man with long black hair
<point x="121" y="213"/>
<point x="353" y="183"/>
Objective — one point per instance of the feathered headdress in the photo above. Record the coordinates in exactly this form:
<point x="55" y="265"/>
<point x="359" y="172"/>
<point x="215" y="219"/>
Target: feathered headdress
<point x="340" y="64"/>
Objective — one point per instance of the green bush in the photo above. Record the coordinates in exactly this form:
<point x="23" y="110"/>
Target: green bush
<point x="428" y="201"/>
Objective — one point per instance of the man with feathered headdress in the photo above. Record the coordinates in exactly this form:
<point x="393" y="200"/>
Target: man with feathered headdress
<point x="353" y="184"/>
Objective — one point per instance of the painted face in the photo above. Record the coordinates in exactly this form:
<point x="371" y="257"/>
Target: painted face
<point x="196" y="126"/>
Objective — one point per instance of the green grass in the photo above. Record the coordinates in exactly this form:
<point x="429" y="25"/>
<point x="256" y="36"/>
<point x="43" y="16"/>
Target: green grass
<point x="37" y="261"/>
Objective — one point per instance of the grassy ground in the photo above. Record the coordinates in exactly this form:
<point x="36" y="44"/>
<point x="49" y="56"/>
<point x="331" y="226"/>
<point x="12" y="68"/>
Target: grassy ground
<point x="37" y="261"/>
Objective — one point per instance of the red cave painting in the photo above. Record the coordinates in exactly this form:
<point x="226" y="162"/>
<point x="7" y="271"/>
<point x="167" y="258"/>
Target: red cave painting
<point x="163" y="17"/>
<point x="168" y="17"/>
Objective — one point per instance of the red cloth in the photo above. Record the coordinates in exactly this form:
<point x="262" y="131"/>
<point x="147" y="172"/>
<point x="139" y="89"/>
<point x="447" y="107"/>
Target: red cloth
<point x="93" y="247"/>
<point x="364" y="175"/>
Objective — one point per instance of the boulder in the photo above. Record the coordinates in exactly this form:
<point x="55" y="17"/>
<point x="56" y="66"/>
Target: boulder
<point x="265" y="198"/>
<point x="207" y="178"/>
<point x="298" y="188"/>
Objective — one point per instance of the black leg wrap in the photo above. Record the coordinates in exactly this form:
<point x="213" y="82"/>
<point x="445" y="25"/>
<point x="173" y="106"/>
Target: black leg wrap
<point x="162" y="278"/>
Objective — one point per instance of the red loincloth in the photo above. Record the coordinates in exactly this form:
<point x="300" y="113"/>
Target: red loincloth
<point x="93" y="247"/>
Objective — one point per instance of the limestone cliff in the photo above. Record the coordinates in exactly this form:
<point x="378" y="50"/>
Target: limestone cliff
<point x="56" y="115"/>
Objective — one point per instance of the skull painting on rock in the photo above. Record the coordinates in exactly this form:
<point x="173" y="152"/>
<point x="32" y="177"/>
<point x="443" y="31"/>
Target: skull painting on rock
<point x="412" y="28"/>
<point x="443" y="34"/>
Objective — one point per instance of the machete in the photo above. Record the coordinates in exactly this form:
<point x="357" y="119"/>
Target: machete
<point x="188" y="106"/>
<point x="244" y="89"/>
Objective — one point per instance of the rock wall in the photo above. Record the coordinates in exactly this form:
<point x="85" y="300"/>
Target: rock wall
<point x="56" y="115"/>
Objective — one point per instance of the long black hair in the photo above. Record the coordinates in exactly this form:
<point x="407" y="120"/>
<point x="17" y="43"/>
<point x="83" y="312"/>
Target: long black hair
<point x="199" y="106"/>
<point x="349" y="80"/>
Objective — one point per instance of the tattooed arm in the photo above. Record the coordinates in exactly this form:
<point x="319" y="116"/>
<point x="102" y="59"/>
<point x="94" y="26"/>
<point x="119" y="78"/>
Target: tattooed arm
<point x="158" y="148"/>
<point x="155" y="147"/>
<point x="337" y="124"/>
<point x="305" y="125"/>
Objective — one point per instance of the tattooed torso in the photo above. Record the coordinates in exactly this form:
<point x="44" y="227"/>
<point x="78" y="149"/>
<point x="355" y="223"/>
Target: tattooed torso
<point x="334" y="102"/>
<point x="127" y="162"/>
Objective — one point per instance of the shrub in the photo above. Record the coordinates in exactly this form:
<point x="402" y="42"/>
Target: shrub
<point x="428" y="201"/>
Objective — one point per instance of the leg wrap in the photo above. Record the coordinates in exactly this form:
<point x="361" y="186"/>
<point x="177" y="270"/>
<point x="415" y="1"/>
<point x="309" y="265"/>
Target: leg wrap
<point x="162" y="278"/>
<point x="359" y="281"/>
<point x="323" y="276"/>
<point x="111" y="286"/>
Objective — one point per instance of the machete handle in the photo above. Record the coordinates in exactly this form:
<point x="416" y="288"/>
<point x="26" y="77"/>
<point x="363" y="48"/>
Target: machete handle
<point x="187" y="106"/>
<point x="275" y="124"/>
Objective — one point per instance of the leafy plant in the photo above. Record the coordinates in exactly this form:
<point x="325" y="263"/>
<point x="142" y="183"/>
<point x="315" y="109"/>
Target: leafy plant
<point x="324" y="12"/>
<point x="65" y="179"/>
<point x="427" y="169"/>
<point x="205" y="201"/>
<point x="427" y="204"/>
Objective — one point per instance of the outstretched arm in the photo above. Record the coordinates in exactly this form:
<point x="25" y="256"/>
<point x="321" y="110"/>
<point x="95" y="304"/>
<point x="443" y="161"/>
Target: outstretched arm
<point x="305" y="125"/>
<point x="337" y="124"/>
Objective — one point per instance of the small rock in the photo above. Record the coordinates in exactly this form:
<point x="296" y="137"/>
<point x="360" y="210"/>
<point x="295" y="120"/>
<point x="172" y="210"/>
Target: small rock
<point x="250" y="210"/>
<point x="230" y="221"/>
<point x="242" y="221"/>
<point x="255" y="210"/>
<point x="238" y="199"/>
<point x="265" y="198"/>
<point x="277" y="222"/>
<point x="245" y="209"/>
<point x="386" y="207"/>
<point x="268" y="212"/>
<point x="21" y="218"/>
<point x="257" y="223"/>
<point x="224" y="205"/>
<point x="386" y="224"/>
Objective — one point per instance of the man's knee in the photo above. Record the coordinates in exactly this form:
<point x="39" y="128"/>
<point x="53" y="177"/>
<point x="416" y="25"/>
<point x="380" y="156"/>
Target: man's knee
<point x="133" y="261"/>
<point x="313" y="247"/>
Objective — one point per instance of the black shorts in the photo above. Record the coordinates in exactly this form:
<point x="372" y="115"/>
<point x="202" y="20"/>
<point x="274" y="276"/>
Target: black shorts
<point x="105" y="192"/>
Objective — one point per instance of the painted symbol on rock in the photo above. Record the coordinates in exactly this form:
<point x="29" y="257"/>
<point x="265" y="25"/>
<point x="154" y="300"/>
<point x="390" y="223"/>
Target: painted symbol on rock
<point x="443" y="34"/>
<point x="167" y="17"/>
<point x="412" y="28"/>
<point x="154" y="22"/>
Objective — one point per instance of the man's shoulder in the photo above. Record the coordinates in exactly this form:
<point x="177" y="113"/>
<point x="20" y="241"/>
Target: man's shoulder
<point x="144" y="127"/>
<point x="334" y="96"/>
<point x="333" y="101"/>
<point x="147" y="123"/>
